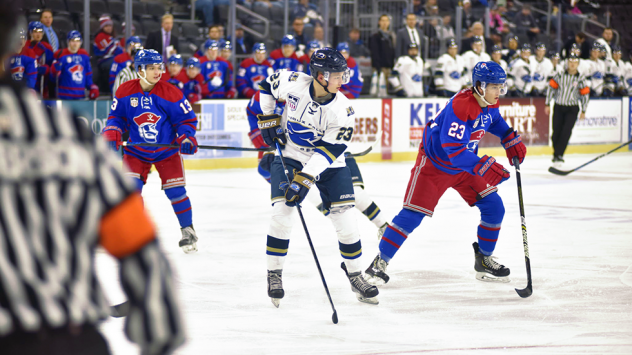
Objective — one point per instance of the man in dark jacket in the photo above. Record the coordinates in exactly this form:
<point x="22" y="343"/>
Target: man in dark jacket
<point x="382" y="47"/>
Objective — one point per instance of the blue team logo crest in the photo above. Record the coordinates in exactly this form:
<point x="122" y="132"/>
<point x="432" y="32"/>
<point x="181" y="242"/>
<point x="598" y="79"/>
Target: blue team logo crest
<point x="134" y="101"/>
<point x="76" y="72"/>
<point x="301" y="135"/>
<point x="147" y="126"/>
<point x="475" y="138"/>
<point x="292" y="102"/>
<point x="17" y="73"/>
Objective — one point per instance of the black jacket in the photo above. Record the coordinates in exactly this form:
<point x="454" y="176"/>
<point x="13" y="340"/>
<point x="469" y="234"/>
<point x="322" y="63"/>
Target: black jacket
<point x="154" y="41"/>
<point x="382" y="51"/>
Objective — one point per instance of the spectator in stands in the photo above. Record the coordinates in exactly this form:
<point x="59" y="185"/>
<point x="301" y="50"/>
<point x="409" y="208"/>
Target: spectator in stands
<point x="242" y="42"/>
<point x="496" y="23"/>
<point x="352" y="89"/>
<point x="105" y="48"/>
<point x="511" y="52"/>
<point x="445" y="30"/>
<point x="477" y="30"/>
<point x="407" y="35"/>
<point x="252" y="71"/>
<point x="319" y="35"/>
<point x="214" y="34"/>
<point x="298" y="31"/>
<point x="446" y="6"/>
<point x="580" y="39"/>
<point x="357" y="49"/>
<point x="525" y="22"/>
<point x="208" y="7"/>
<point x="164" y="41"/>
<point x="382" y="47"/>
<point x="50" y="35"/>
<point x="308" y="11"/>
<point x="420" y="10"/>
<point x="468" y="17"/>
<point x="606" y="41"/>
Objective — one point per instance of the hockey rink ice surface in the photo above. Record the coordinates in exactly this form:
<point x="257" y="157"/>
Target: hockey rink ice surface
<point x="580" y="239"/>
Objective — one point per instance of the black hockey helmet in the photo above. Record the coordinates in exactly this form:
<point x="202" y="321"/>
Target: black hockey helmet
<point x="526" y="47"/>
<point x="540" y="45"/>
<point x="328" y="60"/>
<point x="413" y="46"/>
<point x="616" y="48"/>
<point x="496" y="48"/>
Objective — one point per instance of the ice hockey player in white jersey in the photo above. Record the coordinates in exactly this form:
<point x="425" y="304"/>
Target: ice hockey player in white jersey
<point x="520" y="74"/>
<point x="473" y="56"/>
<point x="448" y="73"/>
<point x="497" y="56"/>
<point x="615" y="74"/>
<point x="558" y="66"/>
<point x="596" y="71"/>
<point x="543" y="70"/>
<point x="409" y="69"/>
<point x="627" y="77"/>
<point x="315" y="129"/>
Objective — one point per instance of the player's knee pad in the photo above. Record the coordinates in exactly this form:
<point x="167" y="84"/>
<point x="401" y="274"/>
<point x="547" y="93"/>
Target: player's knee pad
<point x="282" y="220"/>
<point x="346" y="227"/>
<point x="362" y="198"/>
<point x="492" y="208"/>
<point x="139" y="184"/>
<point x="408" y="220"/>
<point x="175" y="193"/>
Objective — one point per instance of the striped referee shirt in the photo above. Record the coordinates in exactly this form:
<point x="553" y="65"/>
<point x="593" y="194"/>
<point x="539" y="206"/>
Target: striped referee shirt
<point x="568" y="90"/>
<point x="128" y="73"/>
<point x="62" y="194"/>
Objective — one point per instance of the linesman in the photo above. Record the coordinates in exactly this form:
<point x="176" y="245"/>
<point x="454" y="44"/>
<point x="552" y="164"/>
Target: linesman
<point x="62" y="195"/>
<point x="570" y="91"/>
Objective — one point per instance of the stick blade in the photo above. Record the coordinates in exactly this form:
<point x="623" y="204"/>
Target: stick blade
<point x="555" y="171"/>
<point x="524" y="293"/>
<point x="334" y="317"/>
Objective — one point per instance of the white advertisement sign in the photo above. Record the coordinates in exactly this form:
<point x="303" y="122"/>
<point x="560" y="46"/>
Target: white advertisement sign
<point x="409" y="120"/>
<point x="368" y="113"/>
<point x="603" y="123"/>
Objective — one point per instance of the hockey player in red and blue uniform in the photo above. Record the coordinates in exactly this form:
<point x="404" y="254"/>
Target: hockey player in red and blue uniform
<point x="72" y="71"/>
<point x="354" y="87"/>
<point x="285" y="57"/>
<point x="154" y="111"/>
<point x="124" y="59"/>
<point x="312" y="46"/>
<point x="448" y="158"/>
<point x="194" y="87"/>
<point x="23" y="64"/>
<point x="252" y="71"/>
<point x="177" y="74"/>
<point x="217" y="78"/>
<point x="43" y="54"/>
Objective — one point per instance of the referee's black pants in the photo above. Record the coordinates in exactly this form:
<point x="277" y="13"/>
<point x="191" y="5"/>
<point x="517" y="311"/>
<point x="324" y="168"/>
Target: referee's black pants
<point x="564" y="118"/>
<point x="81" y="340"/>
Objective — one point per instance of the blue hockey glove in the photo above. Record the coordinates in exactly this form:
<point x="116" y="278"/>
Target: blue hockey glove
<point x="271" y="130"/>
<point x="298" y="188"/>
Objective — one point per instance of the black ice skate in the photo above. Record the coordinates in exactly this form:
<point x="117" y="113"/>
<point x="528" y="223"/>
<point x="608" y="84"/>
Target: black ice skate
<point x="188" y="243"/>
<point x="275" y="287"/>
<point x="364" y="291"/>
<point x="376" y="272"/>
<point x="487" y="269"/>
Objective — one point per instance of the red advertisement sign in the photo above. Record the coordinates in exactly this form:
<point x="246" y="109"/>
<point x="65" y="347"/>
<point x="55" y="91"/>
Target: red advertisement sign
<point x="387" y="129"/>
<point x="526" y="115"/>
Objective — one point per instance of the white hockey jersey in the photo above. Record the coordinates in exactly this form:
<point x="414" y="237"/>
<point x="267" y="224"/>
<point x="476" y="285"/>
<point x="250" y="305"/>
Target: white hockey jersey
<point x="410" y="71"/>
<point x="449" y="73"/>
<point x="470" y="58"/>
<point x="503" y="65"/>
<point x="520" y="75"/>
<point x="627" y="78"/>
<point x="596" y="72"/>
<point x="317" y="133"/>
<point x="542" y="74"/>
<point x="615" y="74"/>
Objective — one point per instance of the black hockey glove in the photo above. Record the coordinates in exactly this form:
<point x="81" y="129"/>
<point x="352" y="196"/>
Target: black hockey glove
<point x="271" y="130"/>
<point x="298" y="188"/>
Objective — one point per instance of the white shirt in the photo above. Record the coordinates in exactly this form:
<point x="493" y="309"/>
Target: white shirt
<point x="414" y="38"/>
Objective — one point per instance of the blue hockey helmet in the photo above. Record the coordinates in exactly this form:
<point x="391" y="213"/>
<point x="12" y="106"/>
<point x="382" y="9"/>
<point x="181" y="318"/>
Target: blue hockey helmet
<point x="288" y="40"/>
<point x="133" y="40"/>
<point x="210" y="43"/>
<point x="227" y="46"/>
<point x="259" y="47"/>
<point x="328" y="60"/>
<point x="452" y="43"/>
<point x="146" y="57"/>
<point x="489" y="73"/>
<point x="175" y="59"/>
<point x="36" y="26"/>
<point x="526" y="47"/>
<point x="74" y="35"/>
<point x="477" y="39"/>
<point x="616" y="49"/>
<point x="194" y="63"/>
<point x="539" y="46"/>
<point x="313" y="45"/>
<point x="343" y="47"/>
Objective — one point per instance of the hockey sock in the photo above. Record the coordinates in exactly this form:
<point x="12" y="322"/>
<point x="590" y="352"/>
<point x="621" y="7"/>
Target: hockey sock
<point x="276" y="250"/>
<point x="266" y="174"/>
<point x="397" y="232"/>
<point x="181" y="205"/>
<point x="344" y="220"/>
<point x="139" y="184"/>
<point x="368" y="207"/>
<point x="351" y="254"/>
<point x="492" y="213"/>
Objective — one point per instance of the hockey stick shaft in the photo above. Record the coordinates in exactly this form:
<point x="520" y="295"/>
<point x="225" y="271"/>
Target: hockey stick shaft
<point x="524" y="293"/>
<point x="216" y="147"/>
<point x="561" y="172"/>
<point x="334" y="317"/>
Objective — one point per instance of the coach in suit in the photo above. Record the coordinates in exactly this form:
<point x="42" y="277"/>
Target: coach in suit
<point x="160" y="40"/>
<point x="52" y="37"/>
<point x="407" y="35"/>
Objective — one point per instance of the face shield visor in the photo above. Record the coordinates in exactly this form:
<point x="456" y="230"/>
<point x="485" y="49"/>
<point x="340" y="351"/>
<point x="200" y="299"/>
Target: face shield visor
<point x="346" y="76"/>
<point x="502" y="89"/>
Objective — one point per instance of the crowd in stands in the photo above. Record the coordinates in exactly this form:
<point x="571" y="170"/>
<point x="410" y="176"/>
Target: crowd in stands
<point x="54" y="64"/>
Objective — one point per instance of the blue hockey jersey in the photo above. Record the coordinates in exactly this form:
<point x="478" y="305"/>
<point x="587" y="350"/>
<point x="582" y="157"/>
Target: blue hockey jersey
<point x="354" y="87"/>
<point x="451" y="139"/>
<point x="73" y="73"/>
<point x="217" y="78"/>
<point x="249" y="76"/>
<point x="151" y="117"/>
<point x="24" y="67"/>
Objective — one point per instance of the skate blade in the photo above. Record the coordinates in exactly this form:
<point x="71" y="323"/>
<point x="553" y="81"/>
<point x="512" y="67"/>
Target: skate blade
<point x="374" y="280"/>
<point x="276" y="302"/>
<point x="371" y="300"/>
<point x="189" y="249"/>
<point x="483" y="276"/>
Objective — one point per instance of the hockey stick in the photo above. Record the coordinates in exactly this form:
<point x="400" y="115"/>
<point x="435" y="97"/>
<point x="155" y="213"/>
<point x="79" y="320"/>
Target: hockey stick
<point x="526" y="292"/>
<point x="564" y="173"/>
<point x="120" y="310"/>
<point x="217" y="147"/>
<point x="334" y="317"/>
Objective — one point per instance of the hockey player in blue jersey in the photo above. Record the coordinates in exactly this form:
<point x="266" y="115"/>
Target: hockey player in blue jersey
<point x="252" y="71"/>
<point x="353" y="89"/>
<point x="124" y="59"/>
<point x="448" y="158"/>
<point x="217" y="78"/>
<point x="73" y="72"/>
<point x="154" y="111"/>
<point x="23" y="64"/>
<point x="285" y="57"/>
<point x="312" y="46"/>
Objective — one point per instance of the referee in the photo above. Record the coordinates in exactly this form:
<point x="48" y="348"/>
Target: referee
<point x="62" y="194"/>
<point x="570" y="91"/>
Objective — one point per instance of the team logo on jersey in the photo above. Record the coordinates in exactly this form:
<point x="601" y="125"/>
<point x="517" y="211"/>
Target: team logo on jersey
<point x="475" y="138"/>
<point x="147" y="102"/>
<point x="350" y="111"/>
<point x="313" y="108"/>
<point x="17" y="73"/>
<point x="76" y="72"/>
<point x="301" y="135"/>
<point x="134" y="101"/>
<point x="146" y="122"/>
<point x="293" y="77"/>
<point x="256" y="80"/>
<point x="292" y="102"/>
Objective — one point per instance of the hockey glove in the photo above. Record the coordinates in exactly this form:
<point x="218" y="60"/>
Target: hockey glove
<point x="257" y="140"/>
<point x="113" y="137"/>
<point x="231" y="93"/>
<point x="492" y="172"/>
<point x="188" y="145"/>
<point x="271" y="130"/>
<point x="266" y="161"/>
<point x="94" y="92"/>
<point x="298" y="188"/>
<point x="513" y="146"/>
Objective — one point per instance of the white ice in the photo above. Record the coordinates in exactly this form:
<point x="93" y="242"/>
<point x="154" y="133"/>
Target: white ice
<point x="580" y="241"/>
